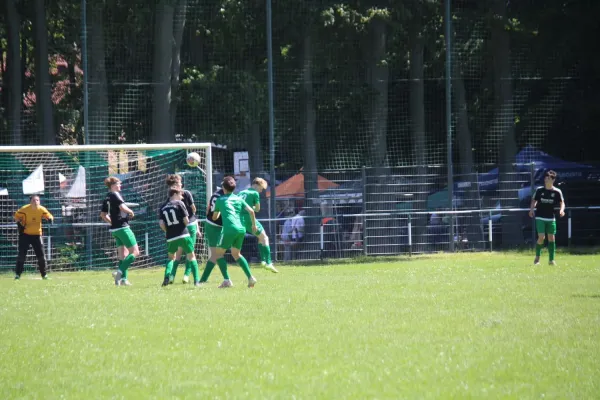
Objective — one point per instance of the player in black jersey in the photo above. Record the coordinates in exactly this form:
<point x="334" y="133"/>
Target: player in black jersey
<point x="174" y="182"/>
<point x="173" y="219"/>
<point x="212" y="232"/>
<point x="544" y="201"/>
<point x="115" y="212"/>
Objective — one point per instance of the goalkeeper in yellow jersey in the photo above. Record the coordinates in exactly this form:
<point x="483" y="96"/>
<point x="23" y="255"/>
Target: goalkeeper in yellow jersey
<point x="29" y="220"/>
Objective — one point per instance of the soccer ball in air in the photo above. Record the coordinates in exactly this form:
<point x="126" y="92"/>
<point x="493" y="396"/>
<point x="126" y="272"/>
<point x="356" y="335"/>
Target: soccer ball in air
<point x="193" y="159"/>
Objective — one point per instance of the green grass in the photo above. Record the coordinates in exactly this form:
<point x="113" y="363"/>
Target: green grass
<point x="443" y="326"/>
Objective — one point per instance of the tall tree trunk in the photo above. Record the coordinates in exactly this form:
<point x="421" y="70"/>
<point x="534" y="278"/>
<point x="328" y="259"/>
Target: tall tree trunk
<point x="311" y="225"/>
<point x="161" y="76"/>
<point x="417" y="116"/>
<point x="470" y="223"/>
<point x="23" y="60"/>
<point x="253" y="134"/>
<point x="178" y="27"/>
<point x="253" y="141"/>
<point x="97" y="81"/>
<point x="14" y="74"/>
<point x="43" y="89"/>
<point x="507" y="189"/>
<point x="378" y="80"/>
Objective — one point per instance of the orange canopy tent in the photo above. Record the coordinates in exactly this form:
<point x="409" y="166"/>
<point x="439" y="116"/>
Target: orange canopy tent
<point x="294" y="187"/>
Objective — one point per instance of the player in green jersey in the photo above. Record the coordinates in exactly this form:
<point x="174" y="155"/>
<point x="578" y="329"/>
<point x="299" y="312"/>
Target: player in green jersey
<point x="252" y="197"/>
<point x="229" y="206"/>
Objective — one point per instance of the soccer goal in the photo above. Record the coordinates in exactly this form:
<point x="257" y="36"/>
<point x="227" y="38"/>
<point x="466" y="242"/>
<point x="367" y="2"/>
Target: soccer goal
<point x="70" y="182"/>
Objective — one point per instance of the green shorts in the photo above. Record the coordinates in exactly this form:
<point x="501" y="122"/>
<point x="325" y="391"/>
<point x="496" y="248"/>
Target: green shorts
<point x="231" y="239"/>
<point x="185" y="243"/>
<point x="193" y="231"/>
<point x="211" y="234"/>
<point x="124" y="237"/>
<point x="248" y="226"/>
<point x="545" y="227"/>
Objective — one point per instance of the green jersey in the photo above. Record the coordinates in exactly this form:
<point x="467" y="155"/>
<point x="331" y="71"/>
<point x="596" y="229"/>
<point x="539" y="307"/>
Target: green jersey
<point x="251" y="196"/>
<point x="230" y="206"/>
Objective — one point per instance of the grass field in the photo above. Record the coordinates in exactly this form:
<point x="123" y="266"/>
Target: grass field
<point x="443" y="326"/>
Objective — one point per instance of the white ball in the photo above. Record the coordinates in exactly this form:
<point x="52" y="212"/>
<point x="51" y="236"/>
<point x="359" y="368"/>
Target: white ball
<point x="193" y="159"/>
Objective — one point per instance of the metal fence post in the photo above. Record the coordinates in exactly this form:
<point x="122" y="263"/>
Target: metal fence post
<point x="490" y="236"/>
<point x="448" y="37"/>
<point x="364" y="209"/>
<point x="532" y="183"/>
<point x="409" y="235"/>
<point x="569" y="231"/>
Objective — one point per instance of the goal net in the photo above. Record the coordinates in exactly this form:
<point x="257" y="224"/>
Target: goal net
<point x="70" y="182"/>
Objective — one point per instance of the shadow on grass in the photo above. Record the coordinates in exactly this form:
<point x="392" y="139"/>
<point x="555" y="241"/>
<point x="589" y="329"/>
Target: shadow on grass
<point x="586" y="296"/>
<point x="576" y="251"/>
<point x="573" y="250"/>
<point x="354" y="260"/>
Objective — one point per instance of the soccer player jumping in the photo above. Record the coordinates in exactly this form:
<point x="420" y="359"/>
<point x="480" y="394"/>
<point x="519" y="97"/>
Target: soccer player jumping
<point x="544" y="201"/>
<point x="230" y="206"/>
<point x="252" y="197"/>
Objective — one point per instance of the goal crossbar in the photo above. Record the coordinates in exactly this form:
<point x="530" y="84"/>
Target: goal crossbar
<point x="100" y="147"/>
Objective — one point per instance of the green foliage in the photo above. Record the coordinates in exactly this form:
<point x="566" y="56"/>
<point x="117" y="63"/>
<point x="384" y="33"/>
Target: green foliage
<point x="223" y="75"/>
<point x="67" y="256"/>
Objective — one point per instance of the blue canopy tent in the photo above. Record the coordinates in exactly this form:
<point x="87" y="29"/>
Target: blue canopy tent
<point x="527" y="159"/>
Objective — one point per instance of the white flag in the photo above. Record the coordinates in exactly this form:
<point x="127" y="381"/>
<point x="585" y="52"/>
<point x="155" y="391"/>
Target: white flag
<point x="62" y="180"/>
<point x="79" y="185"/>
<point x="34" y="183"/>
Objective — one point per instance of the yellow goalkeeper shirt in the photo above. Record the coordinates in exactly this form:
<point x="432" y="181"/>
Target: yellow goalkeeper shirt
<point x="32" y="219"/>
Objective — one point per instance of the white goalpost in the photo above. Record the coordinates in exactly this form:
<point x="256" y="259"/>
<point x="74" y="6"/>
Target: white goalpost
<point x="70" y="182"/>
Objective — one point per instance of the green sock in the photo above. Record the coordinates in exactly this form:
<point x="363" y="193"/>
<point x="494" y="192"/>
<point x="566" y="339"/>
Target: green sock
<point x="193" y="266"/>
<point x="174" y="271"/>
<point x="125" y="264"/>
<point x="244" y="265"/>
<point x="538" y="249"/>
<point x="261" y="252"/>
<point x="268" y="254"/>
<point x="223" y="267"/>
<point x="169" y="268"/>
<point x="207" y="270"/>
<point x="189" y="268"/>
<point x="552" y="250"/>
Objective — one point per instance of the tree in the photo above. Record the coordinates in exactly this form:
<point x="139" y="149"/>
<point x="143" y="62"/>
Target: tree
<point x="505" y="121"/>
<point x="161" y="75"/>
<point x="14" y="73"/>
<point x="98" y="86"/>
<point x="45" y="119"/>
<point x="178" y="28"/>
<point x="378" y="82"/>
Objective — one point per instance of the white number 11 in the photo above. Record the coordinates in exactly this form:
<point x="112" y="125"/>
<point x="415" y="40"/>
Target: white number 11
<point x="169" y="222"/>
